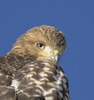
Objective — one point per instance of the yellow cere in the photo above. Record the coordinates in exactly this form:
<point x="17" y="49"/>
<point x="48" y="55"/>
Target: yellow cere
<point x="51" y="54"/>
<point x="55" y="52"/>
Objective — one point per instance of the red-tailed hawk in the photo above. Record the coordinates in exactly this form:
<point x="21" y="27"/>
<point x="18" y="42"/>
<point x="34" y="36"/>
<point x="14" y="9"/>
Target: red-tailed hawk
<point x="30" y="71"/>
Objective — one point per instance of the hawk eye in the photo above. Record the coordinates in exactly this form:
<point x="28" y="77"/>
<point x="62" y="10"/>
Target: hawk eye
<point x="40" y="45"/>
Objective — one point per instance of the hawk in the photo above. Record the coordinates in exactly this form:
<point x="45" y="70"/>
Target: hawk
<point x="31" y="70"/>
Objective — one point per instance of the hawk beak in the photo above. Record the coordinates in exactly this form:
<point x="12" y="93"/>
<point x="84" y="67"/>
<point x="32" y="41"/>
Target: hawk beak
<point x="55" y="55"/>
<point x="51" y="54"/>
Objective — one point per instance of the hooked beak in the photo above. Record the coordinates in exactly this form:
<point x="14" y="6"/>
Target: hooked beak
<point x="55" y="55"/>
<point x="51" y="54"/>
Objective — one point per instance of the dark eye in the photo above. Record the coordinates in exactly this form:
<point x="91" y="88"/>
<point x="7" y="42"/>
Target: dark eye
<point x="40" y="45"/>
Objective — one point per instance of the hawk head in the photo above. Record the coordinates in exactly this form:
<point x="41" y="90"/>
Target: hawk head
<point x="43" y="42"/>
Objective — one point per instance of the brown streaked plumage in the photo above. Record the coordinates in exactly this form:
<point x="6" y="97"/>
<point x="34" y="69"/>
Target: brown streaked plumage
<point x="30" y="71"/>
<point x="46" y="34"/>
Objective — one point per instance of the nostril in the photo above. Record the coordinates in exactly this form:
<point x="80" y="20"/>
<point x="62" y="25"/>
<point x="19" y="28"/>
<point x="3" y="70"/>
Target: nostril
<point x="55" y="52"/>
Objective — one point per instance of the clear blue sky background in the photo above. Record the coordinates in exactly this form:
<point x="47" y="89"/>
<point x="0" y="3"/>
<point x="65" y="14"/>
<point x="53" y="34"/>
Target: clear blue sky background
<point x="74" y="17"/>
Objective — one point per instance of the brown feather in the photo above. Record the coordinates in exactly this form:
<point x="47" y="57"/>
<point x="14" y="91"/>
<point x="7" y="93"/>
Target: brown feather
<point x="25" y="45"/>
<point x="39" y="78"/>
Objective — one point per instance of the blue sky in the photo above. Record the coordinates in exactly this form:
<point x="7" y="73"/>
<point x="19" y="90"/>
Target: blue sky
<point x="75" y="18"/>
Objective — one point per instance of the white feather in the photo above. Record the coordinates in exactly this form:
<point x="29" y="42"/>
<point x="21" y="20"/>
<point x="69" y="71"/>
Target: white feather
<point x="15" y="84"/>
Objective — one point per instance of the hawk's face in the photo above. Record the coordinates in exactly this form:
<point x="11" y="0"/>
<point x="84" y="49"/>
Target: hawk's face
<point x="46" y="51"/>
<point x="42" y="42"/>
